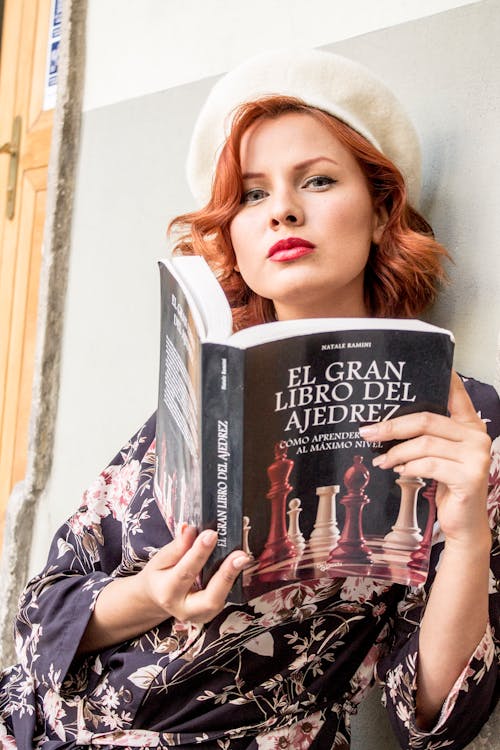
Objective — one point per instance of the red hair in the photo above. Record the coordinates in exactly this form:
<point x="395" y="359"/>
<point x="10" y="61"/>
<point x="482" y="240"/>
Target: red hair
<point x="404" y="271"/>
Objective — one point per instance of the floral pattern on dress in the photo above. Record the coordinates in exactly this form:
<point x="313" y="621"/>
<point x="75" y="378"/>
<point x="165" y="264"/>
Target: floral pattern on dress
<point x="484" y="665"/>
<point x="287" y="669"/>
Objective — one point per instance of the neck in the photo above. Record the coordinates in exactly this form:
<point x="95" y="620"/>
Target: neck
<point x="333" y="310"/>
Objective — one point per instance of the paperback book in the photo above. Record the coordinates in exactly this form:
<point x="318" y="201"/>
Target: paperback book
<point x="258" y="436"/>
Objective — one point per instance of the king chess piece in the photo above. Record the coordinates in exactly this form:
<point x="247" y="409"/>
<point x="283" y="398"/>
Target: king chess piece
<point x="278" y="547"/>
<point x="352" y="547"/>
<point x="405" y="533"/>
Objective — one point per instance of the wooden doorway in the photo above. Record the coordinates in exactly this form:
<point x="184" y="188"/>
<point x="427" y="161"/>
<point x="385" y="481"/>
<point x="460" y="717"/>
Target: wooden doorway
<point x="23" y="99"/>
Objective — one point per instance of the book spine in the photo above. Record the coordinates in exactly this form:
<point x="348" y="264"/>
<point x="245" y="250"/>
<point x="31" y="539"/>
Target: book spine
<point x="222" y="452"/>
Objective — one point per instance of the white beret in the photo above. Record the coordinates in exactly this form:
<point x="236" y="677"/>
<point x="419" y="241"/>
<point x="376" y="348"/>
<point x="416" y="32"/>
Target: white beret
<point x="335" y="84"/>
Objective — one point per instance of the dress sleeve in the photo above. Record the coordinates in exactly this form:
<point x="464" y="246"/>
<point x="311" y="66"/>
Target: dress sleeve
<point x="473" y="696"/>
<point x="83" y="558"/>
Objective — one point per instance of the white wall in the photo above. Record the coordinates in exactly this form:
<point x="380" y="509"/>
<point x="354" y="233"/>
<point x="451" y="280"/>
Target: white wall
<point x="142" y="46"/>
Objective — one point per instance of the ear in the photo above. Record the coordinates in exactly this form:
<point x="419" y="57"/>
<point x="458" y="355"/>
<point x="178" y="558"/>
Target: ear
<point x="380" y="219"/>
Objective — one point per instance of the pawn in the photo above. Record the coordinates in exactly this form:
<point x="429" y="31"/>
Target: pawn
<point x="246" y="532"/>
<point x="294" y="533"/>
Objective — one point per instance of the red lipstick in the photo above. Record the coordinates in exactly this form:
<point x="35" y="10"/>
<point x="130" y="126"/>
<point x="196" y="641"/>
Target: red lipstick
<point x="290" y="249"/>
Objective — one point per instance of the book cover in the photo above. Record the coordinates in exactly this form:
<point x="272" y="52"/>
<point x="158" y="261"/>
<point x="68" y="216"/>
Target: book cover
<point x="258" y="437"/>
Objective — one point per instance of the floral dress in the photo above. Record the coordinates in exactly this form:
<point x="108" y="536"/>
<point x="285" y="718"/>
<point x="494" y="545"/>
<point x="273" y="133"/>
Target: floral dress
<point x="286" y="670"/>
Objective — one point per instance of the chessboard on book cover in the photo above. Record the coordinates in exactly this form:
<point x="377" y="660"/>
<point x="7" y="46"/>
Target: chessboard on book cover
<point x="313" y="504"/>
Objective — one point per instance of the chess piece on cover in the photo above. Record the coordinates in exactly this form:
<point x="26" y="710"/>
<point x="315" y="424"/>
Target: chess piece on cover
<point x="294" y="533"/>
<point x="278" y="546"/>
<point x="352" y="547"/>
<point x="245" y="534"/>
<point x="326" y="533"/>
<point x="405" y="533"/>
<point x="421" y="555"/>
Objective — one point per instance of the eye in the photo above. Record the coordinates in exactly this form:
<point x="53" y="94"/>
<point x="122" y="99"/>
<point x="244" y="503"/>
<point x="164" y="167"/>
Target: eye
<point x="253" y="195"/>
<point x="319" y="182"/>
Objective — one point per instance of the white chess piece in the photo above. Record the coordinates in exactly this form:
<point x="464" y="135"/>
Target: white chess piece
<point x="246" y="531"/>
<point x="405" y="533"/>
<point x="326" y="533"/>
<point x="294" y="533"/>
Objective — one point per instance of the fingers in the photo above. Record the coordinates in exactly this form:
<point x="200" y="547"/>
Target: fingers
<point x="176" y="568"/>
<point x="187" y="569"/>
<point x="411" y="426"/>
<point x="463" y="417"/>
<point x="444" y="471"/>
<point x="403" y="458"/>
<point x="171" y="553"/>
<point x="428" y="446"/>
<point x="460" y="406"/>
<point x="204" y="605"/>
<point x="440" y="453"/>
<point x="452" y="449"/>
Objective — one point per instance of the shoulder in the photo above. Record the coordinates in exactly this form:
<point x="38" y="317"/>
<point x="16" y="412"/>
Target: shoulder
<point x="486" y="402"/>
<point x="139" y="446"/>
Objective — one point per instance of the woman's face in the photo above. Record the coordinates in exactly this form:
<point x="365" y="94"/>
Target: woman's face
<point x="304" y="230"/>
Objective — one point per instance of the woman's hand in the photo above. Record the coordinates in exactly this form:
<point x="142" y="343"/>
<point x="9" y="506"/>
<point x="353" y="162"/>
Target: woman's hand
<point x="167" y="583"/>
<point x="164" y="588"/>
<point x="455" y="451"/>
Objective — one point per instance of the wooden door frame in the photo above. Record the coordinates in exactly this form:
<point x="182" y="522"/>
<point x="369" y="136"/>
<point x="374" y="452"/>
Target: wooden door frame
<point x="26" y="495"/>
<point x="1" y="16"/>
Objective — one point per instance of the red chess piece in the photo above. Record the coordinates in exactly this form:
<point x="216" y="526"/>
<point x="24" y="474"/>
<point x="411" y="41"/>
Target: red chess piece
<point x="278" y="546"/>
<point x="352" y="547"/>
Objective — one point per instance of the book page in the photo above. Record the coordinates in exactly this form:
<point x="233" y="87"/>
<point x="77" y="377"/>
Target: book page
<point x="177" y="479"/>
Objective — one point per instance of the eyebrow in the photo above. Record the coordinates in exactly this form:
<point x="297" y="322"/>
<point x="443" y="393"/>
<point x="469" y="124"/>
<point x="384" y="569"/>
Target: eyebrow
<point x="297" y="167"/>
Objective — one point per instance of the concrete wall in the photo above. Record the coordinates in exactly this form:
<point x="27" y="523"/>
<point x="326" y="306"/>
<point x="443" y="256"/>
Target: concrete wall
<point x="148" y="71"/>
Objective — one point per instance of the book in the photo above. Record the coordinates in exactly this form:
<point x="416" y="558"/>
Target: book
<point x="258" y="436"/>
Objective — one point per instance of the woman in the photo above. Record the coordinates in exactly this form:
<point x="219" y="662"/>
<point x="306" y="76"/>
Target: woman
<point x="306" y="217"/>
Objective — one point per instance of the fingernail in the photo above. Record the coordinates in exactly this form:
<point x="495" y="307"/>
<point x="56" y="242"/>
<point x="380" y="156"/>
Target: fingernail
<point x="208" y="537"/>
<point x="240" y="562"/>
<point x="379" y="461"/>
<point x="187" y="530"/>
<point x="399" y="469"/>
<point x="369" y="430"/>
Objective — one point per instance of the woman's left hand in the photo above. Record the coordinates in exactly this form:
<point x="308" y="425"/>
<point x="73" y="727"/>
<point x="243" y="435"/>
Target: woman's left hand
<point x="454" y="450"/>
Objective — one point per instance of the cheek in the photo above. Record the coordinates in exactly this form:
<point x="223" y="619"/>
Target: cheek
<point x="357" y="222"/>
<point x="235" y="234"/>
<point x="240" y="233"/>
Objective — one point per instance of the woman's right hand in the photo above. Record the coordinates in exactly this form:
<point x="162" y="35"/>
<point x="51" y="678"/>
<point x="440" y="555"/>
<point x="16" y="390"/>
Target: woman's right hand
<point x="167" y="583"/>
<point x="165" y="587"/>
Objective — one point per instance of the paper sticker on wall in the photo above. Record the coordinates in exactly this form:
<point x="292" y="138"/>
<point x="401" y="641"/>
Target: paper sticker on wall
<point x="52" y="63"/>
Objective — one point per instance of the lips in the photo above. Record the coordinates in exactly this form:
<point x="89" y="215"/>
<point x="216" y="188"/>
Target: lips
<point x="290" y="249"/>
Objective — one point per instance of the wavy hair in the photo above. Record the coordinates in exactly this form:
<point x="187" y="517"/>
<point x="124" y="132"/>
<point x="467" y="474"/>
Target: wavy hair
<point x="404" y="271"/>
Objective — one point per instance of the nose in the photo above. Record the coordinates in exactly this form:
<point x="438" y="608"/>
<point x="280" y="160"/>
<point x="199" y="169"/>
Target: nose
<point x="285" y="209"/>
